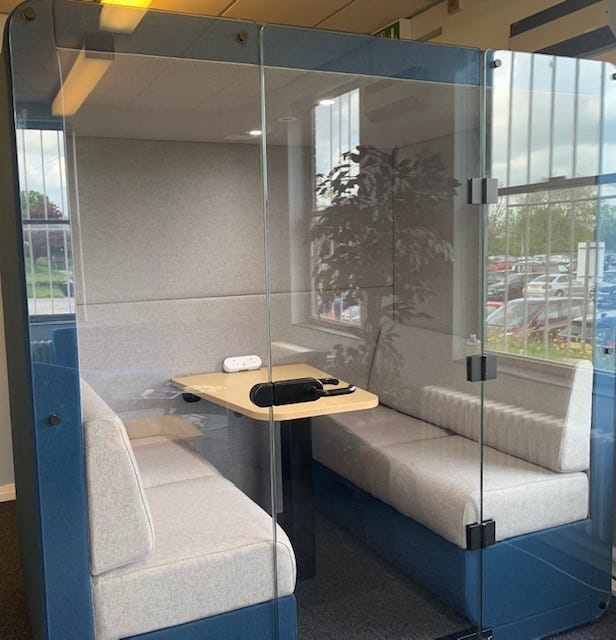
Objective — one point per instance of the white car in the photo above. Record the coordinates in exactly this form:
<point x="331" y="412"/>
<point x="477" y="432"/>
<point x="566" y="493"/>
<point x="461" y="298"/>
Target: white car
<point x="557" y="284"/>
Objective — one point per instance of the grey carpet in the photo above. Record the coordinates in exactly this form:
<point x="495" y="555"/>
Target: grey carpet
<point x="14" y="623"/>
<point x="356" y="596"/>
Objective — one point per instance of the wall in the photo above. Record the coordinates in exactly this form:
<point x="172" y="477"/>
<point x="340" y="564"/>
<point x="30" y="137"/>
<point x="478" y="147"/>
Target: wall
<point x="6" y="452"/>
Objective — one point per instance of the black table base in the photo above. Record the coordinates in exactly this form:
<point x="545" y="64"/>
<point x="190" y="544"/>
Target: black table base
<point x="297" y="492"/>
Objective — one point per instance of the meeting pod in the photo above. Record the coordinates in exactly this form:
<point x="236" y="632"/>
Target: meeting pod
<point x="310" y="335"/>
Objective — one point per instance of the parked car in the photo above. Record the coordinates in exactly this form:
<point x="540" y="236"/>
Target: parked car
<point x="491" y="307"/>
<point x="513" y="287"/>
<point x="529" y="316"/>
<point x="606" y="290"/>
<point x="600" y="330"/>
<point x="554" y="285"/>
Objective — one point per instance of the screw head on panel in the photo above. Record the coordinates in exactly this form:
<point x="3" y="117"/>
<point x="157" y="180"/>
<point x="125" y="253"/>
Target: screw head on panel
<point x="54" y="419"/>
<point x="495" y="64"/>
<point x="29" y="14"/>
<point x="242" y="37"/>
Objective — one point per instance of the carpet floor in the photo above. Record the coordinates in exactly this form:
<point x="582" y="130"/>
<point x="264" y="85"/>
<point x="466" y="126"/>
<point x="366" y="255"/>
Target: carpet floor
<point x="356" y="596"/>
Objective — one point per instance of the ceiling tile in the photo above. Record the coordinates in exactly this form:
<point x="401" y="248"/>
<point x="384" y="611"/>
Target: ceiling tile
<point x="294" y="12"/>
<point x="197" y="7"/>
<point x="363" y="16"/>
<point x="6" y="6"/>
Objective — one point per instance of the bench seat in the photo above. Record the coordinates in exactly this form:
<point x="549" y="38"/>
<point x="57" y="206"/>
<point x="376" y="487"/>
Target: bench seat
<point x="213" y="553"/>
<point x="437" y="483"/>
<point x="342" y="441"/>
<point x="171" y="540"/>
<point x="420" y="453"/>
<point x="162" y="461"/>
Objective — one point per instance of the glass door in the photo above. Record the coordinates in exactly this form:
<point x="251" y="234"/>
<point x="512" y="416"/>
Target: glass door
<point x="548" y="416"/>
<point x="375" y="299"/>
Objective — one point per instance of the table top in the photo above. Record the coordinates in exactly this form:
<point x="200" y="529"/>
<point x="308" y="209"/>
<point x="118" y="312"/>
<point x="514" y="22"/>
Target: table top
<point x="232" y="390"/>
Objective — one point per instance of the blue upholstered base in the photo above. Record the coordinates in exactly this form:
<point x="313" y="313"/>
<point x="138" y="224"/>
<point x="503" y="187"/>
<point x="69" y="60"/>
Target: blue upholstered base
<point x="258" y="622"/>
<point x="533" y="585"/>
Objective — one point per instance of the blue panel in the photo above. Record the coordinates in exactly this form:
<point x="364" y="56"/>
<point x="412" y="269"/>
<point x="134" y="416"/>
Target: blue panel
<point x="64" y="344"/>
<point x="161" y="34"/>
<point x="310" y="49"/>
<point x="250" y="623"/>
<point x="59" y="452"/>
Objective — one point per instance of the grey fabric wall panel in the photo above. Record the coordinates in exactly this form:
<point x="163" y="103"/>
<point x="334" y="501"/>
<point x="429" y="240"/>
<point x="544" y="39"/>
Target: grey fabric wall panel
<point x="167" y="220"/>
<point x="127" y="348"/>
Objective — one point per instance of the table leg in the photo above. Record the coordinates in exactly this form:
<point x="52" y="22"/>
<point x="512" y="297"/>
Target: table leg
<point x="297" y="492"/>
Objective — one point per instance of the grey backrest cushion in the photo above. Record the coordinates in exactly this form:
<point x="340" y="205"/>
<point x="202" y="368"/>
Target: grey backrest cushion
<point x="536" y="410"/>
<point x="120" y="523"/>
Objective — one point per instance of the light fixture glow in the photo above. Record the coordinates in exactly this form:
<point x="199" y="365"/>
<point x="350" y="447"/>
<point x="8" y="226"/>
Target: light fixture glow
<point x="80" y="81"/>
<point x="255" y="132"/>
<point x="122" y="16"/>
<point x="325" y="102"/>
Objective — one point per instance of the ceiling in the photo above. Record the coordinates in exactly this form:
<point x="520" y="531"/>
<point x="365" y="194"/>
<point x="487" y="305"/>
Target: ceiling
<point x="357" y="16"/>
<point x="195" y="101"/>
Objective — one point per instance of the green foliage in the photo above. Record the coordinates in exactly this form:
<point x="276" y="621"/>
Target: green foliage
<point x="540" y="222"/>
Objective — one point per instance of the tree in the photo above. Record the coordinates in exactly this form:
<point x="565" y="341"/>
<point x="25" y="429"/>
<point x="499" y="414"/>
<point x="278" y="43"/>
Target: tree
<point x="539" y="221"/>
<point x="374" y="219"/>
<point x="37" y="206"/>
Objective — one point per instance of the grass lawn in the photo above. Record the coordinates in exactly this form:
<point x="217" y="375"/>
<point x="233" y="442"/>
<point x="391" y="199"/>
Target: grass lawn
<point x="39" y="281"/>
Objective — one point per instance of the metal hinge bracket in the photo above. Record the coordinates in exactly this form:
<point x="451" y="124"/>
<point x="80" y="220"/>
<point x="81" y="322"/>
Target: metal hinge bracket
<point x="480" y="536"/>
<point x="482" y="191"/>
<point x="480" y="368"/>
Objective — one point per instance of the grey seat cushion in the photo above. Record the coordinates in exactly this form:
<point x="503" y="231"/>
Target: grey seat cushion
<point x="437" y="483"/>
<point x="214" y="553"/>
<point x="162" y="461"/>
<point x="342" y="441"/>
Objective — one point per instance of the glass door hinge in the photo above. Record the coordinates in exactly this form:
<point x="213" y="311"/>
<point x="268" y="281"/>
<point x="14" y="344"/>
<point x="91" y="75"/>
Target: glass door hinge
<point x="480" y="368"/>
<point x="482" y="191"/>
<point x="480" y="536"/>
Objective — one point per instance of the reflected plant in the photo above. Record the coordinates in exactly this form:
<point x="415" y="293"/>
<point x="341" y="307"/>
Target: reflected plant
<point x="374" y="231"/>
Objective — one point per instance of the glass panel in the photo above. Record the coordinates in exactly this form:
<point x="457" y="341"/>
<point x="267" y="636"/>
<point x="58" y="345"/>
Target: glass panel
<point x="373" y="262"/>
<point x="143" y="241"/>
<point x="548" y="416"/>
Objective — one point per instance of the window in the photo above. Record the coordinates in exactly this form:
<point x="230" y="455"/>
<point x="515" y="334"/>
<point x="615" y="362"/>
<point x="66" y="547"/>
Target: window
<point x="336" y="134"/>
<point x="548" y="152"/>
<point x="46" y="230"/>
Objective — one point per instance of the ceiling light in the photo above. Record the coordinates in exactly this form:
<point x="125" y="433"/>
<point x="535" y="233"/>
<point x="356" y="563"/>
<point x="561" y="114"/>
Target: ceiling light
<point x="122" y="16"/>
<point x="255" y="132"/>
<point x="85" y="74"/>
<point x="325" y="102"/>
<point x="287" y="119"/>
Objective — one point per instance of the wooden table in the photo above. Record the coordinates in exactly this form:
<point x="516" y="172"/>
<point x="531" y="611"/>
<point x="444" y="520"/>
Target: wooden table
<point x="232" y="391"/>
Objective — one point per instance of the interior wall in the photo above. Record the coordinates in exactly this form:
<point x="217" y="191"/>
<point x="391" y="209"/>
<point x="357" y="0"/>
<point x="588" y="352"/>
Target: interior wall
<point x="170" y="273"/>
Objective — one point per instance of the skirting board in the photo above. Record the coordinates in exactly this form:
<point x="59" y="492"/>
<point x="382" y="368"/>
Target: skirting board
<point x="7" y="492"/>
